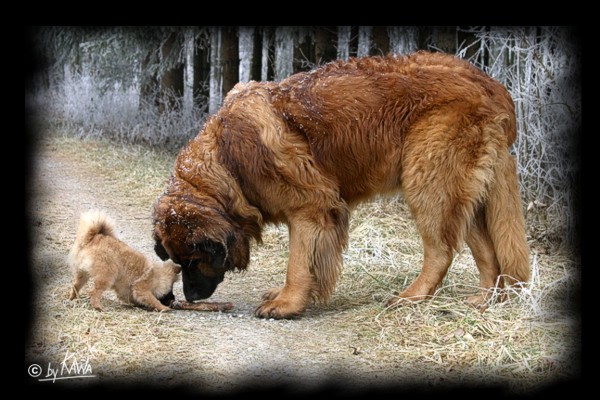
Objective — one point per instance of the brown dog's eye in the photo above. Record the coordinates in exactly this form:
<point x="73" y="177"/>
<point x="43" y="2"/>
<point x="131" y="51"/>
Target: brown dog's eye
<point x="216" y="253"/>
<point x="206" y="269"/>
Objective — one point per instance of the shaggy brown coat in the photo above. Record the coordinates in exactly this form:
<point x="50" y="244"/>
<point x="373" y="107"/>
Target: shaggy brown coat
<point x="305" y="150"/>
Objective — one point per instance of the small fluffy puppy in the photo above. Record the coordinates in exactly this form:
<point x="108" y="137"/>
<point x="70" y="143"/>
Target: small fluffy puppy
<point x="112" y="264"/>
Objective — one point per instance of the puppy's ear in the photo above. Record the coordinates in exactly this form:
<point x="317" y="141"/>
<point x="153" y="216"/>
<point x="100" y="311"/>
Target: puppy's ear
<point x="176" y="268"/>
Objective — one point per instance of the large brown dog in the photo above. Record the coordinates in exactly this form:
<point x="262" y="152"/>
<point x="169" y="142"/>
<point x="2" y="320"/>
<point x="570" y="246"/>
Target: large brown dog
<point x="305" y="150"/>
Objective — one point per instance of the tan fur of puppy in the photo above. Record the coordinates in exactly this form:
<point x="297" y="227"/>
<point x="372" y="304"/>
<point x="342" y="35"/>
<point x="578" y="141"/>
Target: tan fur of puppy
<point x="112" y="264"/>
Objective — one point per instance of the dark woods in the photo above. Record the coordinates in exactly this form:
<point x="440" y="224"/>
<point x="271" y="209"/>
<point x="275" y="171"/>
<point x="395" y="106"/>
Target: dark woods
<point x="178" y="66"/>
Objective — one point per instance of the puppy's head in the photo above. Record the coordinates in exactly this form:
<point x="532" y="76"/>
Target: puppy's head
<point x="201" y="238"/>
<point x="173" y="270"/>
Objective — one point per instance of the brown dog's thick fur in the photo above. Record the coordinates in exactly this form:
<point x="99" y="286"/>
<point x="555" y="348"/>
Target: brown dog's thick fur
<point x="98" y="254"/>
<point x="305" y="150"/>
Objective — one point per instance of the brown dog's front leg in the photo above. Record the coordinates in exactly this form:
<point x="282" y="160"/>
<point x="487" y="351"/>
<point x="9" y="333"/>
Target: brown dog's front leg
<point x="315" y="260"/>
<point x="292" y="299"/>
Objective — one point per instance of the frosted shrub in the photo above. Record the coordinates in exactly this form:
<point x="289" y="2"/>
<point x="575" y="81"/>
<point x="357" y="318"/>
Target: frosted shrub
<point x="541" y="69"/>
<point x="79" y="104"/>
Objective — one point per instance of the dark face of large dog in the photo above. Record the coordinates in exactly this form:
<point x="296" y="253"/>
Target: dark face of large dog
<point x="202" y="239"/>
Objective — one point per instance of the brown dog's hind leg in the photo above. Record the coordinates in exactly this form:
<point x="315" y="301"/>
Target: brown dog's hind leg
<point x="482" y="248"/>
<point x="437" y="260"/>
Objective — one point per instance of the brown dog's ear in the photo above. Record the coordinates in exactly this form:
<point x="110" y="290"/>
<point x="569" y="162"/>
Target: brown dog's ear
<point x="238" y="247"/>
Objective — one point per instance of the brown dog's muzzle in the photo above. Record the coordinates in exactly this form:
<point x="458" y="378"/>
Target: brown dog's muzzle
<point x="197" y="285"/>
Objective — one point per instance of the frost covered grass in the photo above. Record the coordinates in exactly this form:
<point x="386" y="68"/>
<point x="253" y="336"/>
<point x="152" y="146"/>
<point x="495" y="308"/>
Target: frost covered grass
<point x="85" y="107"/>
<point x="523" y="344"/>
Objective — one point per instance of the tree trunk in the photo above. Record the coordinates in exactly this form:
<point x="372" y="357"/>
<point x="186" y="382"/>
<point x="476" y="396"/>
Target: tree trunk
<point x="246" y="37"/>
<point x="202" y="72"/>
<point x="224" y="64"/>
<point x="256" y="57"/>
<point x="365" y="38"/>
<point x="304" y="49"/>
<point x="148" y="82"/>
<point x="467" y="43"/>
<point x="267" y="38"/>
<point x="188" y="87"/>
<point x="444" y="39"/>
<point x="284" y="52"/>
<point x="403" y="39"/>
<point x="343" y="42"/>
<point x="216" y="71"/>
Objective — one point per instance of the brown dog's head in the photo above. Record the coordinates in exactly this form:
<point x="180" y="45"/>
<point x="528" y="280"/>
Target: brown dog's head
<point x="197" y="234"/>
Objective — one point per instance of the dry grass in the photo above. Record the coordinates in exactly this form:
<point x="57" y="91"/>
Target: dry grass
<point x="525" y="343"/>
<point x="133" y="168"/>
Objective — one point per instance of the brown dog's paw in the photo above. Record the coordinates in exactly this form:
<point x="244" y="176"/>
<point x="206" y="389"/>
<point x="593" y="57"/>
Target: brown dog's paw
<point x="277" y="309"/>
<point x="400" y="301"/>
<point x="482" y="300"/>
<point x="478" y="301"/>
<point x="271" y="294"/>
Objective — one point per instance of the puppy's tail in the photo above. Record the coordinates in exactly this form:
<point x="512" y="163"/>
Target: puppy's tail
<point x="91" y="224"/>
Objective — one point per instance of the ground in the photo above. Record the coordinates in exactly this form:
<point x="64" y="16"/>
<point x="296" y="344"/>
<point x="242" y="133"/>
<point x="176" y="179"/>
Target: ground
<point x="523" y="345"/>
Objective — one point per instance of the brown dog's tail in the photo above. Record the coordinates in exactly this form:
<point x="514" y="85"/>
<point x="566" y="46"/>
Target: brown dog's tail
<point x="506" y="225"/>
<point x="91" y="224"/>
